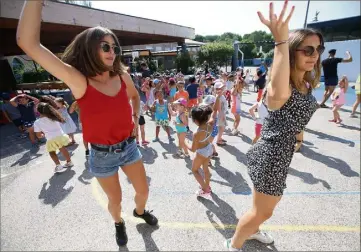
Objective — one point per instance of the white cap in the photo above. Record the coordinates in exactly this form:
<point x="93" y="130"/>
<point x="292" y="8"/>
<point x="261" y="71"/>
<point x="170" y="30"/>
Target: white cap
<point x="208" y="100"/>
<point x="218" y="84"/>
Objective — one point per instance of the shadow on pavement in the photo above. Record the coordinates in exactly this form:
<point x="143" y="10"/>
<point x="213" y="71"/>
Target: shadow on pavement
<point x="56" y="191"/>
<point x="86" y="175"/>
<point x="234" y="180"/>
<point x="332" y="162"/>
<point x="308" y="178"/>
<point x="170" y="148"/>
<point x="223" y="211"/>
<point x="329" y="137"/>
<point x="349" y="127"/>
<point x="149" y="154"/>
<point x="241" y="157"/>
<point x="227" y="215"/>
<point x="28" y="156"/>
<point x="146" y="231"/>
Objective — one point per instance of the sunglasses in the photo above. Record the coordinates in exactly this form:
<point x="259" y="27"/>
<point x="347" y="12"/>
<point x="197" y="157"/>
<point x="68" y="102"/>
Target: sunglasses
<point x="310" y="50"/>
<point x="106" y="48"/>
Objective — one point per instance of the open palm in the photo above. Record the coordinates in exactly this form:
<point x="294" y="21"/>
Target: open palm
<point x="277" y="26"/>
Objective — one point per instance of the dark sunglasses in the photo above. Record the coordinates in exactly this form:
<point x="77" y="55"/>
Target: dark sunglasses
<point x="106" y="48"/>
<point x="310" y="50"/>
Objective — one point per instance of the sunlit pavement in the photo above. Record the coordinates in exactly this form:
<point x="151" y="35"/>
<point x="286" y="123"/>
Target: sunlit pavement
<point x="319" y="211"/>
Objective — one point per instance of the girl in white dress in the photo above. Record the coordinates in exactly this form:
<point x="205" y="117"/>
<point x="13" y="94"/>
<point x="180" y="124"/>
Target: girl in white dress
<point x="69" y="126"/>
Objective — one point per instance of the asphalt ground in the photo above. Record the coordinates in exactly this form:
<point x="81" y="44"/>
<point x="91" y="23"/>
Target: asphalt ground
<point x="320" y="210"/>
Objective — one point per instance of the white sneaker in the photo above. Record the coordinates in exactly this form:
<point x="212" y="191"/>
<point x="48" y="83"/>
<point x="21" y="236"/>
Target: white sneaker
<point x="234" y="132"/>
<point x="228" y="244"/>
<point x="59" y="168"/>
<point x="262" y="237"/>
<point x="202" y="193"/>
<point x="68" y="164"/>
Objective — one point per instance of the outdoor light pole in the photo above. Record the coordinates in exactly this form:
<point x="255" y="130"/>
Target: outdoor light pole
<point x="308" y="6"/>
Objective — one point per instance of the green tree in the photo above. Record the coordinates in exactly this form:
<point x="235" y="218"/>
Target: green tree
<point x="248" y="48"/>
<point x="184" y="62"/>
<point x="216" y="54"/>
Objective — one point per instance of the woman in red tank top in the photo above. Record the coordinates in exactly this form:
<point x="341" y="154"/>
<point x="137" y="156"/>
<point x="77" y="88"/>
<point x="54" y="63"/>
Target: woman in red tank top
<point x="92" y="69"/>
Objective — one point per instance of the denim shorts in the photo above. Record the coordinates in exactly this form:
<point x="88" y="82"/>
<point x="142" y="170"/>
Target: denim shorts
<point x="106" y="164"/>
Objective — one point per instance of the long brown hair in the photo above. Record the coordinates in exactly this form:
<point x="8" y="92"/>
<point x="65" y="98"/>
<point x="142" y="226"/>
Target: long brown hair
<point x="295" y="40"/>
<point x="48" y="111"/>
<point x="83" y="53"/>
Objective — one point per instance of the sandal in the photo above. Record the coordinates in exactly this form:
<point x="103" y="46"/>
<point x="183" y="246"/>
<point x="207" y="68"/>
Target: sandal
<point x="221" y="144"/>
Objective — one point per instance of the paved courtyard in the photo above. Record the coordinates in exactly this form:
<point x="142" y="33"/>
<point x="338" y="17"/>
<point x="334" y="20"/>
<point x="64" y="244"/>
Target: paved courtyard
<point x="319" y="211"/>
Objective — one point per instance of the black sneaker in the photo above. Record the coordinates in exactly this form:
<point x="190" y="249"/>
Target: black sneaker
<point x="149" y="218"/>
<point x="87" y="153"/>
<point x="121" y="234"/>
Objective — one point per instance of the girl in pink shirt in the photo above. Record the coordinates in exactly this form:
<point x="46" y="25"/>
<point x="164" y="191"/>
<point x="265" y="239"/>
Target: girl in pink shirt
<point x="338" y="99"/>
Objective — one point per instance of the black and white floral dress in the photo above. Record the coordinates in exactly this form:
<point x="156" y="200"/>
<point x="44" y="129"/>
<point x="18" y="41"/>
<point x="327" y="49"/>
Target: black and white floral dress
<point x="269" y="159"/>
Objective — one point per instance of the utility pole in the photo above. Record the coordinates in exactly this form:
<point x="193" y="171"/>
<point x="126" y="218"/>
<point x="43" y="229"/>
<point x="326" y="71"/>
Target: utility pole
<point x="308" y="6"/>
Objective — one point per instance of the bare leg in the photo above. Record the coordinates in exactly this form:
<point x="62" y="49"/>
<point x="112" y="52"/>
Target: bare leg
<point x="136" y="174"/>
<point x="255" y="139"/>
<point x="328" y="91"/>
<point x="197" y="162"/>
<point x="142" y="133"/>
<point x="248" y="224"/>
<point x="182" y="137"/>
<point x="65" y="153"/>
<point x="112" y="189"/>
<point x="355" y="105"/>
<point x="237" y="119"/>
<point x="207" y="174"/>
<point x="54" y="157"/>
<point x="157" y="129"/>
<point x="220" y="134"/>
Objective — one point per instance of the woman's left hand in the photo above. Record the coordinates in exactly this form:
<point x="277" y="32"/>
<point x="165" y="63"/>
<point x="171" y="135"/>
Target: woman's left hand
<point x="136" y="125"/>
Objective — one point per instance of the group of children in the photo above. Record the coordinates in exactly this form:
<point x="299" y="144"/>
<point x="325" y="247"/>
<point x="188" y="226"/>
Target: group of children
<point x="44" y="118"/>
<point x="206" y="101"/>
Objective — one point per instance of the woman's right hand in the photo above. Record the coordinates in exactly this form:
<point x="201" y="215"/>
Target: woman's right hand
<point x="277" y="26"/>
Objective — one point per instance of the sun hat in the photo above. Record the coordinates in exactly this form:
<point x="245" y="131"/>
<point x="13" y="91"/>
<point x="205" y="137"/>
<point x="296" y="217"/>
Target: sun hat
<point x="208" y="100"/>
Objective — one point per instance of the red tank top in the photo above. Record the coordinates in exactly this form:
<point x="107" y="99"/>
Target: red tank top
<point x="105" y="119"/>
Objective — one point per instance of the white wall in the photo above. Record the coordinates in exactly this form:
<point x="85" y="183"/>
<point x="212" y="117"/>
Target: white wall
<point x="352" y="69"/>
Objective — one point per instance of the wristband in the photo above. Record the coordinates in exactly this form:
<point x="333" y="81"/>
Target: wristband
<point x="281" y="42"/>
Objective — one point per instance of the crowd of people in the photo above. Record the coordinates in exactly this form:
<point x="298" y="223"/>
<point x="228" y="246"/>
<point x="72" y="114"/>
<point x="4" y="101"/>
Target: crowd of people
<point x="100" y="84"/>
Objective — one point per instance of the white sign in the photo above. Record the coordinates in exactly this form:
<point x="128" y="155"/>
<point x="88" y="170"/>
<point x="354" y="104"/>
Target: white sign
<point x="135" y="55"/>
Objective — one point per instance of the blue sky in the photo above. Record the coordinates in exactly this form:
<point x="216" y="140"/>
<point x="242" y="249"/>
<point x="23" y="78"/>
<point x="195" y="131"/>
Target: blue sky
<point x="217" y="17"/>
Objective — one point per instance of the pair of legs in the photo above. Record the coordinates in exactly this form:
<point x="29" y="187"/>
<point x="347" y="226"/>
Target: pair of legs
<point x="199" y="161"/>
<point x="181" y="142"/>
<point x="336" y="115"/>
<point x="111" y="186"/>
<point x="248" y="224"/>
<point x="63" y="151"/>
<point x="157" y="130"/>
<point x="355" y="105"/>
<point x="328" y="92"/>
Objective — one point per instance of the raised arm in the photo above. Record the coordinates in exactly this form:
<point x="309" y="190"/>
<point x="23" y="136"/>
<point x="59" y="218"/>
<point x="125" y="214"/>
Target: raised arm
<point x="348" y="59"/>
<point x="28" y="39"/>
<point x="278" y="90"/>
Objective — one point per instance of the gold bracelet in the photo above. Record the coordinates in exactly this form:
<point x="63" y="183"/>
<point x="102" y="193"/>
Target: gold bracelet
<point x="281" y="42"/>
